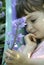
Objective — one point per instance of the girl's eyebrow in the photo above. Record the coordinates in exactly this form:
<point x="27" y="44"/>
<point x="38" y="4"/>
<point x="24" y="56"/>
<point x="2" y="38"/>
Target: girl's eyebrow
<point x="26" y="11"/>
<point x="28" y="16"/>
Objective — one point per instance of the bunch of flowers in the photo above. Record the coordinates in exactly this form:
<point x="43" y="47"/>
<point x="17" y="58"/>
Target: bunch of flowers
<point x="16" y="33"/>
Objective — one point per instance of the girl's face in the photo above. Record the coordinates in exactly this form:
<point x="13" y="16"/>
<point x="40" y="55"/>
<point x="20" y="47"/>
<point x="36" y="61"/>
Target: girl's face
<point x="35" y="24"/>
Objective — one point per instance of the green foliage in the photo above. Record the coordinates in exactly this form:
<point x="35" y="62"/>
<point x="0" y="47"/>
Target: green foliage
<point x="2" y="26"/>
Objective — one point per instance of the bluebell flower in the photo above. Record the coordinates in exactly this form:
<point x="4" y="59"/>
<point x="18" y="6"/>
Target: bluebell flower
<point x="19" y="38"/>
<point x="15" y="47"/>
<point x="16" y="35"/>
<point x="8" y="42"/>
<point x="20" y="21"/>
<point x="11" y="45"/>
<point x="9" y="34"/>
<point x="14" y="28"/>
<point x="2" y="14"/>
<point x="0" y="4"/>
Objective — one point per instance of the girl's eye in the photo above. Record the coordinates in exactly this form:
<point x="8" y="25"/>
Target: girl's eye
<point x="33" y="21"/>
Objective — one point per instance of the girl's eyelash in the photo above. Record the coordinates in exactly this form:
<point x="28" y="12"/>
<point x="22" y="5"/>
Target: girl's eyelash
<point x="33" y="21"/>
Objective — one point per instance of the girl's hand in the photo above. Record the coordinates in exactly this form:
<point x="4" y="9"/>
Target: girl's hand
<point x="15" y="58"/>
<point x="30" y="40"/>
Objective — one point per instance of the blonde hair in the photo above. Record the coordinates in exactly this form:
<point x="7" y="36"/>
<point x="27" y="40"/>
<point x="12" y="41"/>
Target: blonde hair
<point x="29" y="5"/>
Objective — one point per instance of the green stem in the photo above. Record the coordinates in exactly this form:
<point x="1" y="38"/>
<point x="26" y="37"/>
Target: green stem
<point x="15" y="36"/>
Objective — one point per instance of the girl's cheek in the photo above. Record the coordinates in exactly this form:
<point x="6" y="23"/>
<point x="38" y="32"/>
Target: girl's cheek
<point x="27" y="29"/>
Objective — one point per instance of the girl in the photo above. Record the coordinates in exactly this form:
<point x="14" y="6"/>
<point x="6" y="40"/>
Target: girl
<point x="32" y="53"/>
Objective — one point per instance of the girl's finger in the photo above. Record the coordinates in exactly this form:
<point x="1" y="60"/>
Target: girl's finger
<point x="12" y="52"/>
<point x="32" y="37"/>
<point x="9" y="62"/>
<point x="29" y="37"/>
<point x="10" y="56"/>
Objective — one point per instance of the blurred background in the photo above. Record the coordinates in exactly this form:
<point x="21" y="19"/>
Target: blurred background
<point x="2" y="27"/>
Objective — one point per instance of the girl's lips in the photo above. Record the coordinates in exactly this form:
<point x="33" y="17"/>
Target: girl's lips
<point x="34" y="33"/>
